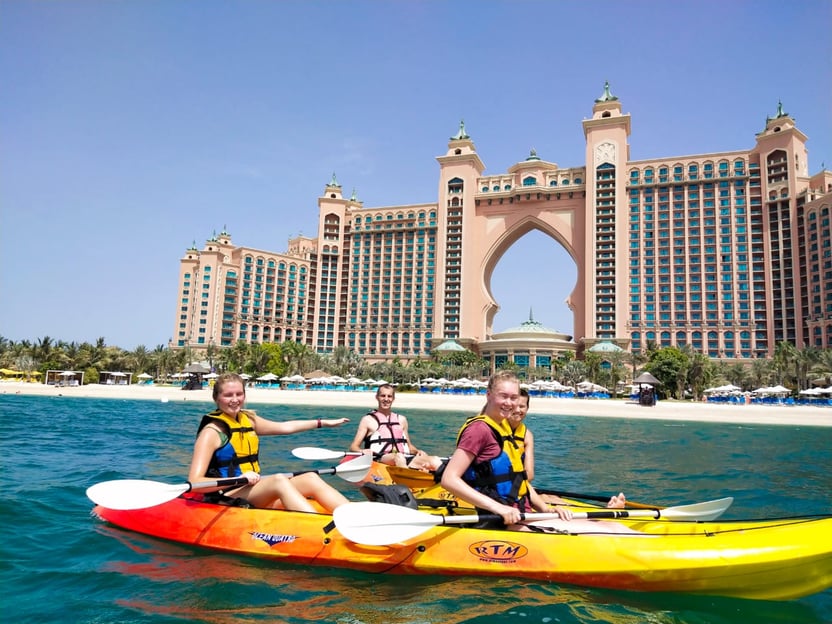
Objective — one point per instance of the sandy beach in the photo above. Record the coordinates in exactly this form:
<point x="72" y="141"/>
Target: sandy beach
<point x="610" y="408"/>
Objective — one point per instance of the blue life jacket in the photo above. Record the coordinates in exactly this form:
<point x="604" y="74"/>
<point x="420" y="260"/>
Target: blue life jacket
<point x="502" y="478"/>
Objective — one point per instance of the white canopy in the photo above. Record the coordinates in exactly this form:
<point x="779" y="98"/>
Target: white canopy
<point x="772" y="390"/>
<point x="723" y="389"/>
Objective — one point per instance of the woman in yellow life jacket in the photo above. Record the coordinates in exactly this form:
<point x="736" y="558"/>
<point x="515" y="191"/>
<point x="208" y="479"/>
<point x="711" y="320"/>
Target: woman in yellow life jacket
<point x="227" y="445"/>
<point x="486" y="469"/>
<point x="524" y="438"/>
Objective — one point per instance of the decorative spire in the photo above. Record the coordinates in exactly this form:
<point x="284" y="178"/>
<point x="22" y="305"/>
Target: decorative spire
<point x="607" y="97"/>
<point x="193" y="247"/>
<point x="214" y="235"/>
<point x="533" y="155"/>
<point x="334" y="181"/>
<point x="780" y="111"/>
<point x="459" y="136"/>
<point x="224" y="230"/>
<point x="353" y="197"/>
<point x="531" y="315"/>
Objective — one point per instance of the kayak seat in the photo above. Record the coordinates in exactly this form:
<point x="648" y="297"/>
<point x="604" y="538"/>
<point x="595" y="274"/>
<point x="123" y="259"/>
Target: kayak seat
<point x="218" y="498"/>
<point x="394" y="494"/>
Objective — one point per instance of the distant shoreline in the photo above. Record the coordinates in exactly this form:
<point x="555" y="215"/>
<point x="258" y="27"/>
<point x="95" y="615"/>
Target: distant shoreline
<point x="600" y="408"/>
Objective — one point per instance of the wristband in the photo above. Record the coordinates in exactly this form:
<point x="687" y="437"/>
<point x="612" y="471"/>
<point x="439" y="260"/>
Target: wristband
<point x="319" y="423"/>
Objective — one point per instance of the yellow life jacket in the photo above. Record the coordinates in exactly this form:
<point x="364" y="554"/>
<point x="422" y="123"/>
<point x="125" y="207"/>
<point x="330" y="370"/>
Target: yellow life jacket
<point x="502" y="478"/>
<point x="240" y="453"/>
<point x="519" y="436"/>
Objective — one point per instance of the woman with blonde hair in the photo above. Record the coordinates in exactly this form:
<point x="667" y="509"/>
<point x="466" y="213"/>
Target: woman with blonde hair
<point x="227" y="445"/>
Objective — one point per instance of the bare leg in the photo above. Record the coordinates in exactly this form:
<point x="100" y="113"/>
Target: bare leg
<point x="425" y="463"/>
<point x="311" y="485"/>
<point x="276" y="491"/>
<point x="393" y="459"/>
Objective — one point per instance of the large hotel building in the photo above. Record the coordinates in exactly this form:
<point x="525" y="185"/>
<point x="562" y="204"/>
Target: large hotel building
<point x="728" y="252"/>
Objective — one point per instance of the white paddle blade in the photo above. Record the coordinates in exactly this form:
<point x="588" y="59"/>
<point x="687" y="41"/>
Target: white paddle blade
<point x="696" y="512"/>
<point x="124" y="494"/>
<point x="311" y="452"/>
<point x="356" y="469"/>
<point x="703" y="512"/>
<point x="380" y="524"/>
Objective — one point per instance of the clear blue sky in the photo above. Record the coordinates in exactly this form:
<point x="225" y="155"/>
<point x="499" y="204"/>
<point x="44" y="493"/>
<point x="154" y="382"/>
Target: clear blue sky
<point x="130" y="129"/>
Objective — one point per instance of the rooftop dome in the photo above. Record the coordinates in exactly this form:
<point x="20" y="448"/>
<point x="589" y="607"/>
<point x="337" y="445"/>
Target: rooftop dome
<point x="531" y="329"/>
<point x="605" y="347"/>
<point x="450" y="345"/>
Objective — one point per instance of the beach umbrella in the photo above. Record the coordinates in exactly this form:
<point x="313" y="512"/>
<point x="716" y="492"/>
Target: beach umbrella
<point x="812" y="391"/>
<point x="145" y="376"/>
<point x="315" y="374"/>
<point x="646" y="378"/>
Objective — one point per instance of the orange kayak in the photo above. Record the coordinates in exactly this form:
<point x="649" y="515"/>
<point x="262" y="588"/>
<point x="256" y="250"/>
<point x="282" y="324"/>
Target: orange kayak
<point x="771" y="559"/>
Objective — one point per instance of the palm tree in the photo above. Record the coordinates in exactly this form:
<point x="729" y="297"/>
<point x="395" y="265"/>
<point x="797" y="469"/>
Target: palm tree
<point x="160" y="361"/>
<point x="210" y="354"/>
<point x="700" y="371"/>
<point x="637" y="358"/>
<point x="592" y="361"/>
<point x="737" y="374"/>
<point x="573" y="373"/>
<point x="258" y="359"/>
<point x="760" y="374"/>
<point x="72" y="353"/>
<point x="43" y="349"/>
<point x="139" y="359"/>
<point x="823" y="366"/>
<point x="297" y="357"/>
<point x="342" y="361"/>
<point x="804" y="360"/>
<point x="785" y="355"/>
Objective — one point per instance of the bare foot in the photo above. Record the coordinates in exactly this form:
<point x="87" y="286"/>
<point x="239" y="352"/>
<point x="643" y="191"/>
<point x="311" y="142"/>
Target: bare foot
<point x="617" y="502"/>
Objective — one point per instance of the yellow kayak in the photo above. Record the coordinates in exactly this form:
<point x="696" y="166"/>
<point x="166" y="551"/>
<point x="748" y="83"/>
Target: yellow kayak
<point x="776" y="559"/>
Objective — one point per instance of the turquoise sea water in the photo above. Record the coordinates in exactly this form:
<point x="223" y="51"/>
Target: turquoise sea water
<point x="58" y="564"/>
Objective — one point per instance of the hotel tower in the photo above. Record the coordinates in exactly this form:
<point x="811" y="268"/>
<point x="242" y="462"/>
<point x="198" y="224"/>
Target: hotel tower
<point x="728" y="252"/>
